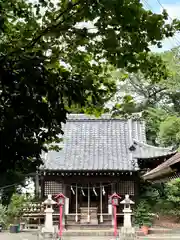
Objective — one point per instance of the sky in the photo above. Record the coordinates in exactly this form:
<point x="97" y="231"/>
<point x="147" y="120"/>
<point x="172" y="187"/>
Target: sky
<point x="173" y="9"/>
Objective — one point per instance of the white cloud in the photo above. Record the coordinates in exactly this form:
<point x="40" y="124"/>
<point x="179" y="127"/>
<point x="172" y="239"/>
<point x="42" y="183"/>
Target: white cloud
<point x="173" y="10"/>
<point x="169" y="43"/>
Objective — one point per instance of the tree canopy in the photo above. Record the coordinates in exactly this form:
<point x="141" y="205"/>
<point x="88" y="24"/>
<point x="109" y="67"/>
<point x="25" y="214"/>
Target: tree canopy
<point x="54" y="55"/>
<point x="164" y="116"/>
<point x="158" y="102"/>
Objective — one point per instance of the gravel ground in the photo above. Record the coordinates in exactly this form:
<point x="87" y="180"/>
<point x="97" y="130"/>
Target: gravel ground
<point x="34" y="236"/>
<point x="18" y="236"/>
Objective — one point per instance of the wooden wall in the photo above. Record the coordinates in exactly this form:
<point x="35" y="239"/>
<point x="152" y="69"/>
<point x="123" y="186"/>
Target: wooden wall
<point x="54" y="184"/>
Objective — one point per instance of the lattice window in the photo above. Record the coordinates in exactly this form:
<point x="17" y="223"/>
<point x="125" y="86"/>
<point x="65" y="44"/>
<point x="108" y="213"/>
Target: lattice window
<point x="52" y="187"/>
<point x="126" y="187"/>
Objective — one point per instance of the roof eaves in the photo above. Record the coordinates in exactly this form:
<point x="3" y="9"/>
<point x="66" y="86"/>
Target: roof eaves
<point x="155" y="175"/>
<point x="142" y="144"/>
<point x="170" y="154"/>
<point x="145" y="151"/>
<point x="164" y="168"/>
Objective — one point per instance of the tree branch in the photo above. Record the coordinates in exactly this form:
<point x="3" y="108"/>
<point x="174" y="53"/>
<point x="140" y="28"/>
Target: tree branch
<point x="46" y="30"/>
<point x="156" y="92"/>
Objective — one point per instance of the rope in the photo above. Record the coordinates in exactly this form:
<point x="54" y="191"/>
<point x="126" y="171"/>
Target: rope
<point x="158" y="1"/>
<point x="149" y="7"/>
<point x="93" y="187"/>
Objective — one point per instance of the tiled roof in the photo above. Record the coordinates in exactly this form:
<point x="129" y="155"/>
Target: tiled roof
<point x="99" y="144"/>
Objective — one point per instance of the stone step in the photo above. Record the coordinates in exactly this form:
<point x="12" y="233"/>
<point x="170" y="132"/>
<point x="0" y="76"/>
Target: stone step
<point x="72" y="218"/>
<point x="155" y="233"/>
<point x="160" y="231"/>
<point x="90" y="232"/>
<point x="160" y="237"/>
<point x="77" y="226"/>
<point x="108" y="235"/>
<point x="108" y="231"/>
<point x="85" y="222"/>
<point x="149" y="237"/>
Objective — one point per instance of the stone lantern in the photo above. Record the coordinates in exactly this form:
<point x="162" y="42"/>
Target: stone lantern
<point x="127" y="211"/>
<point x="48" y="227"/>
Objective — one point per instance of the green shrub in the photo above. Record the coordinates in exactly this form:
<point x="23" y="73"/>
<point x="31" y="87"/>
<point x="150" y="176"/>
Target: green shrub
<point x="15" y="208"/>
<point x="3" y="215"/>
<point x="163" y="207"/>
<point x="173" y="197"/>
<point x="143" y="215"/>
<point x="150" y="193"/>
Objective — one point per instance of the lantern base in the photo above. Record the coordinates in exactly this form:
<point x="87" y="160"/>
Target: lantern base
<point x="48" y="230"/>
<point x="127" y="233"/>
<point x="50" y="233"/>
<point x="127" y="218"/>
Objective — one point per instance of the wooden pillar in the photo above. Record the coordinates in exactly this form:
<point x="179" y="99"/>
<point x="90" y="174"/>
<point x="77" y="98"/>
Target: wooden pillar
<point x="88" y="217"/>
<point x="101" y="216"/>
<point x="76" y="203"/>
<point x="136" y="178"/>
<point x="112" y="191"/>
<point x="64" y="188"/>
<point x="42" y="187"/>
<point x="113" y="188"/>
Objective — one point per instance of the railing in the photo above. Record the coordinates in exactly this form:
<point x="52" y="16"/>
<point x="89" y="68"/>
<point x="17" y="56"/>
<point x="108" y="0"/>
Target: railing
<point x="34" y="215"/>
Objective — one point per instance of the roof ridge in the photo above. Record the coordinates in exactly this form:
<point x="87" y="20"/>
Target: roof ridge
<point x="104" y="116"/>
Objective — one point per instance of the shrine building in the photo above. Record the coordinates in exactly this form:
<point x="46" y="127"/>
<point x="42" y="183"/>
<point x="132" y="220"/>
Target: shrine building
<point x="99" y="157"/>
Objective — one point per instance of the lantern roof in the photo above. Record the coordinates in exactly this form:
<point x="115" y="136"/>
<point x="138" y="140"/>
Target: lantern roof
<point x="127" y="200"/>
<point x="49" y="201"/>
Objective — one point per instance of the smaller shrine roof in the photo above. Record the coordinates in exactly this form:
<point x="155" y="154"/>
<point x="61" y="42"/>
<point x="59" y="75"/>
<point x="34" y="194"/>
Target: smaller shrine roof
<point x="163" y="169"/>
<point x="143" y="150"/>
